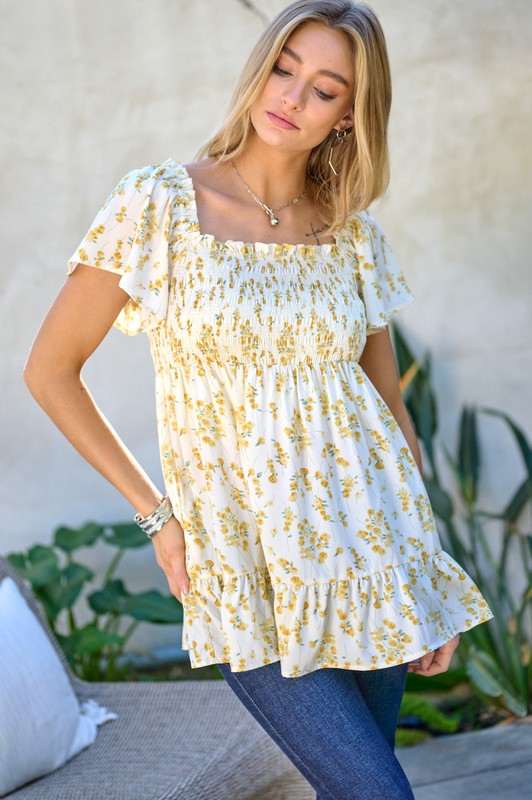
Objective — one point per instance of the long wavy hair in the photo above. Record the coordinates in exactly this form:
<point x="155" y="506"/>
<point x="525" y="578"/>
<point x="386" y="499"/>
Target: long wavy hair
<point x="362" y="160"/>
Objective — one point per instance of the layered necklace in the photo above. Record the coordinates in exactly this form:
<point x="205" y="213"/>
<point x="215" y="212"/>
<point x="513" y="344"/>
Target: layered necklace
<point x="271" y="212"/>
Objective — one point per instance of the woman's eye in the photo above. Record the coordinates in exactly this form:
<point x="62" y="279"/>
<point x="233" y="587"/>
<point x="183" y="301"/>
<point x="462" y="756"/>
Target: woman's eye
<point x="324" y="95"/>
<point x="285" y="73"/>
<point x="280" y="71"/>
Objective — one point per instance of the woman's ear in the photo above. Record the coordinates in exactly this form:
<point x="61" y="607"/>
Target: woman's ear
<point x="346" y="122"/>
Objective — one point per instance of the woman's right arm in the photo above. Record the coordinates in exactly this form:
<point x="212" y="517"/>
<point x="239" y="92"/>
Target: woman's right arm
<point x="75" y="325"/>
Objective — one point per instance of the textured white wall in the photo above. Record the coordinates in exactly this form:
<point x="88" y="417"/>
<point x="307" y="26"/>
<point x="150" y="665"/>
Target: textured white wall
<point x="92" y="90"/>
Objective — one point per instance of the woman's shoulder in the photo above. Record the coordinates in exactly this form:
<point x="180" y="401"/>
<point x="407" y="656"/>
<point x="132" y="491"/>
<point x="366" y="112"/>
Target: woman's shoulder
<point x="161" y="183"/>
<point x="360" y="229"/>
<point x="165" y="174"/>
<point x="361" y="223"/>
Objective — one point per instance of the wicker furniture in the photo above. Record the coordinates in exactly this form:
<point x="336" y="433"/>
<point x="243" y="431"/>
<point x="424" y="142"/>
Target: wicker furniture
<point x="185" y="740"/>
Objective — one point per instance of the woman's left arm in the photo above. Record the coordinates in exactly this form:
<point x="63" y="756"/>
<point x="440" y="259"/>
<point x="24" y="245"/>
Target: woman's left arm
<point x="378" y="362"/>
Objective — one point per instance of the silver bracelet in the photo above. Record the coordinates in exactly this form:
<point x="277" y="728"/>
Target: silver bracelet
<point x="153" y="523"/>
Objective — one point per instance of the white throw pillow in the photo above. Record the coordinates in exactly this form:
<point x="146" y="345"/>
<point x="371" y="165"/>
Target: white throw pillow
<point x="41" y="723"/>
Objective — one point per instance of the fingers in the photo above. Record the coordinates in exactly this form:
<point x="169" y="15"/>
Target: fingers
<point x="424" y="663"/>
<point x="436" y="666"/>
<point x="436" y="661"/>
<point x="170" y="553"/>
<point x="178" y="580"/>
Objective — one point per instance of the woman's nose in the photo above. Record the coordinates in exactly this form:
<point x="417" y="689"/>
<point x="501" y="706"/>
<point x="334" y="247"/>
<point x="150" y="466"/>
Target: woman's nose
<point x="294" y="97"/>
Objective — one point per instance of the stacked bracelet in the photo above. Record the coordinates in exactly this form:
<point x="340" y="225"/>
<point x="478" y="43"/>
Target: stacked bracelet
<point x="153" y="523"/>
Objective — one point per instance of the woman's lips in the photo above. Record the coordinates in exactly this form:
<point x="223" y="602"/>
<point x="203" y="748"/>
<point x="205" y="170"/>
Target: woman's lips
<point x="281" y="122"/>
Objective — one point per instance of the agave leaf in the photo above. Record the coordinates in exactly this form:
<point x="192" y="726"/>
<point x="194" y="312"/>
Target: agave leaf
<point x="403" y="354"/>
<point x="522" y="442"/>
<point x="481" y="514"/>
<point x="426" y="417"/>
<point x="515" y="704"/>
<point x="518" y="502"/>
<point x="421" y="404"/>
<point x="469" y="455"/>
<point x="406" y="382"/>
<point x="486" y="676"/>
<point x="484" y="673"/>
<point x="440" y="500"/>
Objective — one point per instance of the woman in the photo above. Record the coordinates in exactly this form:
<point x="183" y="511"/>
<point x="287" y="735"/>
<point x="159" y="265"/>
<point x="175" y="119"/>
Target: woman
<point x="295" y="529"/>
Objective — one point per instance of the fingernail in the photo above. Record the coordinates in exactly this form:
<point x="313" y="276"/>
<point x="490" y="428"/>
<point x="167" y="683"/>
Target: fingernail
<point x="184" y="590"/>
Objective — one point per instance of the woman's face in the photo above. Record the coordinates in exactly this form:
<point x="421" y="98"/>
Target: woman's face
<point x="309" y="91"/>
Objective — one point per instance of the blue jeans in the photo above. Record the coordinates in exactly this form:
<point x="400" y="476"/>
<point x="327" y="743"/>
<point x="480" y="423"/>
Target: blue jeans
<point x="337" y="726"/>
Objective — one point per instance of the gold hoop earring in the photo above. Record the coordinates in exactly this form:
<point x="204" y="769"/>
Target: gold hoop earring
<point x="341" y="136"/>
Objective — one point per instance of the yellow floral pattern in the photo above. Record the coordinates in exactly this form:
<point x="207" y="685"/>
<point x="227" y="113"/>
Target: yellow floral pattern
<point x="310" y="539"/>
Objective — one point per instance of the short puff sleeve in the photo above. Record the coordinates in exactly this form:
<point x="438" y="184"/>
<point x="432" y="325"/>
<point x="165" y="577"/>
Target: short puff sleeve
<point x="129" y="236"/>
<point x="381" y="283"/>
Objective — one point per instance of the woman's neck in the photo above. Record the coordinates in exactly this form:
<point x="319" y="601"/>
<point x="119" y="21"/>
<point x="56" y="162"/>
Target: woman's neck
<point x="275" y="176"/>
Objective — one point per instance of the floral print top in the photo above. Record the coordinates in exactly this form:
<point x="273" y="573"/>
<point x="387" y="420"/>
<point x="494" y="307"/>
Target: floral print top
<point x="310" y="539"/>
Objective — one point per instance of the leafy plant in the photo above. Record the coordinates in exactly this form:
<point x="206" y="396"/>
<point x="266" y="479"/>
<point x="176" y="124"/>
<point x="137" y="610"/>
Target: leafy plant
<point x="496" y="655"/>
<point x="58" y="580"/>
<point x="416" y="711"/>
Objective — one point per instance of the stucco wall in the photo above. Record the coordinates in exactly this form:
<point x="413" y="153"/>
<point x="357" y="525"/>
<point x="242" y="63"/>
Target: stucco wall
<point x="91" y="90"/>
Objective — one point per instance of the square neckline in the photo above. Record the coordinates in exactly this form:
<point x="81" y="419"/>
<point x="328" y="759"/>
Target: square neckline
<point x="258" y="246"/>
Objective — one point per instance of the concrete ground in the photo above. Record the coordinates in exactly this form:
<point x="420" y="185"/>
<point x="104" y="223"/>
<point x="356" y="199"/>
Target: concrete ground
<point x="492" y="764"/>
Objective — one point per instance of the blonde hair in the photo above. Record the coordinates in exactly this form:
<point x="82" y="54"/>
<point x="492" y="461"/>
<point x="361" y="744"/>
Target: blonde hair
<point x="362" y="160"/>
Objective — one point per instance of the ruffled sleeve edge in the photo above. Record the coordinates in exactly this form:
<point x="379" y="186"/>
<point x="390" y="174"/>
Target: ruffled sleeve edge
<point x="137" y="315"/>
<point x="145" y="272"/>
<point x="381" y="282"/>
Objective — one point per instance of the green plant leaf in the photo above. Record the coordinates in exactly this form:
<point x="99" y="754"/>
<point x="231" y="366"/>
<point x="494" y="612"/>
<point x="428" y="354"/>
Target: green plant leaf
<point x="486" y="675"/>
<point x="149" y="606"/>
<point x="407" y="737"/>
<point x="443" y="682"/>
<point x="407" y="381"/>
<point x="126" y="535"/>
<point x="521" y="497"/>
<point x="69" y="539"/>
<point x="440" y="500"/>
<point x="414" y="706"/>
<point x="514" y="703"/>
<point x="39" y="565"/>
<point x="421" y="404"/>
<point x="469" y="455"/>
<point x="403" y="354"/>
<point x="89" y="640"/>
<point x="18" y="561"/>
<point x="426" y="416"/>
<point x="64" y="592"/>
<point x="522" y="442"/>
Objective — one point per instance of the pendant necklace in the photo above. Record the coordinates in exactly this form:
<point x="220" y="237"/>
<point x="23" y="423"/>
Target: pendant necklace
<point x="271" y="212"/>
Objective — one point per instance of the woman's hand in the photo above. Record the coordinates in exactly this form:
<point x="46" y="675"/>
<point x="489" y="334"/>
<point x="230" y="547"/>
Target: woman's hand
<point x="436" y="661"/>
<point x="169" y="545"/>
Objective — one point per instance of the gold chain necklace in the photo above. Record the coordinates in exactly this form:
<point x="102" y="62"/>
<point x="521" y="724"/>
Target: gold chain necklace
<point x="271" y="212"/>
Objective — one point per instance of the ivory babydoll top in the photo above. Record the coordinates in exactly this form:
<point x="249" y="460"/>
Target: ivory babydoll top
<point x="310" y="539"/>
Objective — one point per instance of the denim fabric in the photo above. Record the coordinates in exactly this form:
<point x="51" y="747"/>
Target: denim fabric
<point x="337" y="726"/>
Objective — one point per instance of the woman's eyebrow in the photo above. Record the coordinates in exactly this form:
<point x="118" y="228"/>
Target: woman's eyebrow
<point x="327" y="72"/>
